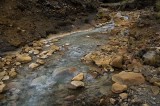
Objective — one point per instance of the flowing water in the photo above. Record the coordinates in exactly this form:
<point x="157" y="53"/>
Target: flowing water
<point x="46" y="86"/>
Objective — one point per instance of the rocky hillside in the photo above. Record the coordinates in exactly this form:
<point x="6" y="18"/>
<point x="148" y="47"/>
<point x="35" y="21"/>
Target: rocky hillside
<point x="23" y="21"/>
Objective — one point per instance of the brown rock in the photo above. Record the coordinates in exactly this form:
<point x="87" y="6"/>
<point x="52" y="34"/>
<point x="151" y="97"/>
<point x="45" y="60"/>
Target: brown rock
<point x="128" y="78"/>
<point x="78" y="77"/>
<point x="117" y="62"/>
<point x="24" y="58"/>
<point x="118" y="88"/>
<point x="102" y="61"/>
<point x="2" y="85"/>
<point x="13" y="73"/>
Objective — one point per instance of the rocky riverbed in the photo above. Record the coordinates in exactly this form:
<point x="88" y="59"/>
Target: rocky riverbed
<point x="114" y="63"/>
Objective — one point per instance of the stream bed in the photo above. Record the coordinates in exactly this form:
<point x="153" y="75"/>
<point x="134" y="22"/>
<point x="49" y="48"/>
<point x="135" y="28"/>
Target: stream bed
<point x="47" y="85"/>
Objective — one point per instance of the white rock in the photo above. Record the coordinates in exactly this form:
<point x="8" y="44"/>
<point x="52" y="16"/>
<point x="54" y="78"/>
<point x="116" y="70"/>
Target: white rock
<point x="67" y="44"/>
<point x="78" y="83"/>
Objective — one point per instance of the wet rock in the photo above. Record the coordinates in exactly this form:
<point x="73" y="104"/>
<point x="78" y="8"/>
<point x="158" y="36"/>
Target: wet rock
<point x="2" y="86"/>
<point x="118" y="88"/>
<point x="152" y="58"/>
<point x="77" y="83"/>
<point x="129" y="78"/>
<point x="39" y="81"/>
<point x="41" y="62"/>
<point x="23" y="58"/>
<point x="33" y="65"/>
<point x="70" y="98"/>
<point x="13" y="73"/>
<point x="78" y="77"/>
<point x="123" y="95"/>
<point x="117" y="62"/>
<point x="155" y="90"/>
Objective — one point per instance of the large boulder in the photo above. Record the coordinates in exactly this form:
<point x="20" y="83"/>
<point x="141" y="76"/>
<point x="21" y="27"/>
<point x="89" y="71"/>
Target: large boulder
<point x="128" y="78"/>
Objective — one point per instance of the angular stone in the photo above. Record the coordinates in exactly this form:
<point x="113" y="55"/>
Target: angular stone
<point x="77" y="83"/>
<point x="24" y="58"/>
<point x="78" y="77"/>
<point x="129" y="78"/>
<point x="118" y="88"/>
